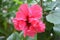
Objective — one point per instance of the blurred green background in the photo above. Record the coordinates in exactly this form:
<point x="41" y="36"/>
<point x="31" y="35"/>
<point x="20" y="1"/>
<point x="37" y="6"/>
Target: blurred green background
<point x="51" y="17"/>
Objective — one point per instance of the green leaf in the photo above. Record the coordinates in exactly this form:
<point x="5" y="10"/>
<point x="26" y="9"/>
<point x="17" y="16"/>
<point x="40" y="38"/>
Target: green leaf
<point x="49" y="0"/>
<point x="5" y="24"/>
<point x="2" y="31"/>
<point x="29" y="1"/>
<point x="54" y="17"/>
<point x="21" y="35"/>
<point x="14" y="36"/>
<point x="32" y="38"/>
<point x="50" y="5"/>
<point x="58" y="1"/>
<point x="17" y="1"/>
<point x="56" y="28"/>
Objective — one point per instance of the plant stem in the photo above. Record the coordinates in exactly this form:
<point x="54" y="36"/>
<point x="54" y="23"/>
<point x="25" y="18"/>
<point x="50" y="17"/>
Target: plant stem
<point x="41" y="2"/>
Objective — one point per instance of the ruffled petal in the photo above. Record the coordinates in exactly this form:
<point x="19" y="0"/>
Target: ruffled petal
<point x="25" y="31"/>
<point x="40" y="27"/>
<point x="24" y="9"/>
<point x="19" y="24"/>
<point x="33" y="21"/>
<point x="31" y="32"/>
<point x="20" y="15"/>
<point x="35" y="11"/>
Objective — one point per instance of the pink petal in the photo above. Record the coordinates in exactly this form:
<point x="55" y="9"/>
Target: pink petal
<point x="24" y="9"/>
<point x="35" y="11"/>
<point x="22" y="25"/>
<point x="31" y="32"/>
<point x="19" y="24"/>
<point x="40" y="27"/>
<point x="33" y="21"/>
<point x="20" y="15"/>
<point x="25" y="31"/>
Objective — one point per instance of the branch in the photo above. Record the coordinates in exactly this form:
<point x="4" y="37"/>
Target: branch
<point x="41" y="3"/>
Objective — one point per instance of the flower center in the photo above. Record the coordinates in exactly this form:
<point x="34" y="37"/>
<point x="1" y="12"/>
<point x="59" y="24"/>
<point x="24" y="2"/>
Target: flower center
<point x="27" y="22"/>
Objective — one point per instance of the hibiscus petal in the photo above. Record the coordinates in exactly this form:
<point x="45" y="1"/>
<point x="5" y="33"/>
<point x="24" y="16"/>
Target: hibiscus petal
<point x="35" y="11"/>
<point x="16" y="26"/>
<point x="25" y="31"/>
<point x="19" y="24"/>
<point x="20" y="15"/>
<point x="31" y="32"/>
<point x="22" y="25"/>
<point x="33" y="21"/>
<point x="24" y="9"/>
<point x="40" y="27"/>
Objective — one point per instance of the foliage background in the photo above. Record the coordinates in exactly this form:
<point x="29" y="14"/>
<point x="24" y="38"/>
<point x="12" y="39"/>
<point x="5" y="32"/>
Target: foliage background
<point x="51" y="17"/>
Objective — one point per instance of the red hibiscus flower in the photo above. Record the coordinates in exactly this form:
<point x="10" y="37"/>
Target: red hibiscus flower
<point x="28" y="19"/>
